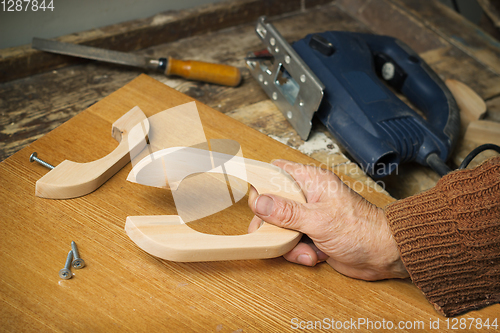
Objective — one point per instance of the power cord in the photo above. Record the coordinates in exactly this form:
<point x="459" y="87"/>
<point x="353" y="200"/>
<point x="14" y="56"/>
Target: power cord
<point x="440" y="167"/>
<point x="476" y="152"/>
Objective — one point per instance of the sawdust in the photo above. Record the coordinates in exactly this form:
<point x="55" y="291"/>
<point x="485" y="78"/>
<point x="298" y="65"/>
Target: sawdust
<point x="317" y="142"/>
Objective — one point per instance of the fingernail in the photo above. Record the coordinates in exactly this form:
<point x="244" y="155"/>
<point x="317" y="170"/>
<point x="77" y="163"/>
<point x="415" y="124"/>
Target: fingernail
<point x="264" y="205"/>
<point x="305" y="259"/>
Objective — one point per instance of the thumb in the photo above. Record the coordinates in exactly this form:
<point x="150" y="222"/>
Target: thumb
<point x="279" y="211"/>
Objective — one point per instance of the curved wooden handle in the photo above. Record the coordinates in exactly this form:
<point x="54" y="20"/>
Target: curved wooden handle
<point x="204" y="71"/>
<point x="168" y="237"/>
<point x="70" y="179"/>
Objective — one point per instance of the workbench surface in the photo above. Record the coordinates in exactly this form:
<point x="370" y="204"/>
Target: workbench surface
<point x="139" y="292"/>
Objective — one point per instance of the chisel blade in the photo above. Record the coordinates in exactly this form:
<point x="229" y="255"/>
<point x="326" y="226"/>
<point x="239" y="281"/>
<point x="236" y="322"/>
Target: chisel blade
<point x="93" y="53"/>
<point x="193" y="70"/>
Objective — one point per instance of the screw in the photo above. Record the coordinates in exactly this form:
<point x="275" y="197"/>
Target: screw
<point x="78" y="262"/>
<point x="33" y="158"/>
<point x="65" y="273"/>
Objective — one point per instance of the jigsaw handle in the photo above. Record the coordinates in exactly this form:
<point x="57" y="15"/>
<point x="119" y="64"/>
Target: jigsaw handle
<point x="413" y="77"/>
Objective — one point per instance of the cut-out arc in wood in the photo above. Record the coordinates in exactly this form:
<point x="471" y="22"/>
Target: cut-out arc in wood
<point x="169" y="237"/>
<point x="70" y="179"/>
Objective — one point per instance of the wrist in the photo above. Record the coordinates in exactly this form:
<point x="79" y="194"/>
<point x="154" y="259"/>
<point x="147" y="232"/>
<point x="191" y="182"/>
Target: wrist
<point x="389" y="259"/>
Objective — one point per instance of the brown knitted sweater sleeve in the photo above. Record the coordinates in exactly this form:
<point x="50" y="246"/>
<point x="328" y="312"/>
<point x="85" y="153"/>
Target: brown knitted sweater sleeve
<point x="449" y="239"/>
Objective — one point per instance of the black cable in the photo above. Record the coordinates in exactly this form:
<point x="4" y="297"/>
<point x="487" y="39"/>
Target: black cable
<point x="437" y="164"/>
<point x="476" y="152"/>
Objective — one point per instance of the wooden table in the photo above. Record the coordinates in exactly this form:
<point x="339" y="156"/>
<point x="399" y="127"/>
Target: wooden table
<point x="124" y="288"/>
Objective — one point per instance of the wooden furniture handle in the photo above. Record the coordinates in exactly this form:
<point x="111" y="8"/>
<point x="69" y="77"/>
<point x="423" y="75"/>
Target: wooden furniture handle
<point x="204" y="71"/>
<point x="70" y="179"/>
<point x="168" y="237"/>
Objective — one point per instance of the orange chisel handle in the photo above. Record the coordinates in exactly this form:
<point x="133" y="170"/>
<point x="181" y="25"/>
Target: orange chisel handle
<point x="204" y="71"/>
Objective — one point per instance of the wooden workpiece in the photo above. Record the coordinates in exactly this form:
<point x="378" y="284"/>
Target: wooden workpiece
<point x="70" y="180"/>
<point x="169" y="237"/>
<point x="483" y="131"/>
<point x="51" y="108"/>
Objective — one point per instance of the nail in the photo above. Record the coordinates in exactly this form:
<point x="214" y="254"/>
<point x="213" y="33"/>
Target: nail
<point x="305" y="259"/>
<point x="264" y="205"/>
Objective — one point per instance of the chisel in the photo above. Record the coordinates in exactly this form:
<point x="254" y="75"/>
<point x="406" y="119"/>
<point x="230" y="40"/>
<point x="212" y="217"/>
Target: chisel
<point x="193" y="70"/>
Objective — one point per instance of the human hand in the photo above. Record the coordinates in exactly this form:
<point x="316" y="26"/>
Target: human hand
<point x="347" y="231"/>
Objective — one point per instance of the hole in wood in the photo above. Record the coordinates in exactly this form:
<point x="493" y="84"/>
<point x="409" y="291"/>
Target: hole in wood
<point x="214" y="204"/>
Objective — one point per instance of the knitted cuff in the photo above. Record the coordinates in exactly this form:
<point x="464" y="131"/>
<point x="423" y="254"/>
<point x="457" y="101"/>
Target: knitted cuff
<point x="449" y="239"/>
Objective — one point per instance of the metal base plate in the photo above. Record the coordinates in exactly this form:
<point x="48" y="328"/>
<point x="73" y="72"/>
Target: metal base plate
<point x="286" y="79"/>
